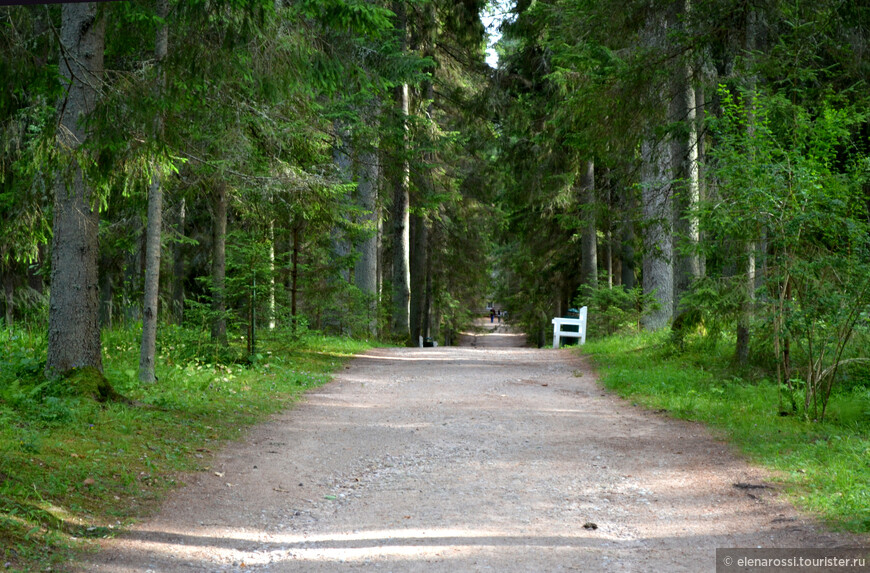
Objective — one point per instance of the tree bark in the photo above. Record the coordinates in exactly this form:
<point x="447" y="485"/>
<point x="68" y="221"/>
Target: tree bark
<point x="73" y="316"/>
<point x="273" y="307"/>
<point x="342" y="156"/>
<point x="589" y="232"/>
<point x="219" y="265"/>
<point x="401" y="200"/>
<point x="366" y="269"/>
<point x="684" y="147"/>
<point x="401" y="234"/>
<point x="154" y="228"/>
<point x="152" y="281"/>
<point x="427" y="300"/>
<point x="294" y="278"/>
<point x="627" y="277"/>
<point x="658" y="271"/>
<point x="747" y="275"/>
<point x="700" y="107"/>
<point x="420" y="239"/>
<point x="657" y="206"/>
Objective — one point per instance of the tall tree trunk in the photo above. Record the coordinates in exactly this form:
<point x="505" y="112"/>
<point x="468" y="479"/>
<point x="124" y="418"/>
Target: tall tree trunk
<point x="273" y="308"/>
<point x="684" y="149"/>
<point x="626" y="256"/>
<point x="747" y="275"/>
<point x="73" y="315"/>
<point x="420" y="239"/>
<point x="424" y="36"/>
<point x="219" y="265"/>
<point x="336" y="307"/>
<point x="589" y="233"/>
<point x="401" y="185"/>
<point x="747" y="267"/>
<point x="294" y="278"/>
<point x="366" y="269"/>
<point x="152" y="281"/>
<point x="700" y="107"/>
<point x="658" y="270"/>
<point x="401" y="236"/>
<point x="155" y="223"/>
<point x="427" y="300"/>
<point x="342" y="156"/>
<point x="178" y="267"/>
<point x="608" y="238"/>
<point x="657" y="206"/>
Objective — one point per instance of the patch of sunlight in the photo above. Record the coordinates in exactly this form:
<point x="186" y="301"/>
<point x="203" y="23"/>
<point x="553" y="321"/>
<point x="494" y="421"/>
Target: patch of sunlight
<point x="353" y="546"/>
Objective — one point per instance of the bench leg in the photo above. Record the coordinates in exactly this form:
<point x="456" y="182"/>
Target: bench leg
<point x="556" y="336"/>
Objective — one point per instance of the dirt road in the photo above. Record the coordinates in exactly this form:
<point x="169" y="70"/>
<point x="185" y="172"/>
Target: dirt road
<point x="486" y="458"/>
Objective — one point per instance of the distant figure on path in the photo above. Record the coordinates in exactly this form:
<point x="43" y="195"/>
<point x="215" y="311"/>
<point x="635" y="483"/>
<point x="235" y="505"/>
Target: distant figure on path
<point x="491" y="315"/>
<point x="499" y="316"/>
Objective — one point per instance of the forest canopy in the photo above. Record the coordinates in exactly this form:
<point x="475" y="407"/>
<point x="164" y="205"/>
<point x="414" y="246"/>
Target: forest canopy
<point x="357" y="168"/>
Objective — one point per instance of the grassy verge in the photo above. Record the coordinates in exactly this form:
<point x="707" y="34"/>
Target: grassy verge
<point x="73" y="469"/>
<point x="823" y="467"/>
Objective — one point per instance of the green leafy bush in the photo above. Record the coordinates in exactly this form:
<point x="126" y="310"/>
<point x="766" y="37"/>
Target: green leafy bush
<point x="616" y="310"/>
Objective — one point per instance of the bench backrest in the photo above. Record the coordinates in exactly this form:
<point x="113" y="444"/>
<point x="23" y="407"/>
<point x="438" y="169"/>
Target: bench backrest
<point x="579" y="322"/>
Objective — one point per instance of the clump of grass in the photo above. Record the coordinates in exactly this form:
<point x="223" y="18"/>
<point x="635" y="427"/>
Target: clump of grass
<point x="72" y="468"/>
<point x="823" y="466"/>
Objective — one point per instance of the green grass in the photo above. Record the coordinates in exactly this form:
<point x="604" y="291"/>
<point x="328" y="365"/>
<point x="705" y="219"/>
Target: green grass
<point x="823" y="467"/>
<point x="73" y="469"/>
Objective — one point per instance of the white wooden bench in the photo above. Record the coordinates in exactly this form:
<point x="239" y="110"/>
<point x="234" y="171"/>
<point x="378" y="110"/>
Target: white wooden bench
<point x="579" y="322"/>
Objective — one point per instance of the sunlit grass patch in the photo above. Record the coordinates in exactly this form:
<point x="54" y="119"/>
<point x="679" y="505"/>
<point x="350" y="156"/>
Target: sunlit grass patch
<point x="72" y="468"/>
<point x="823" y="466"/>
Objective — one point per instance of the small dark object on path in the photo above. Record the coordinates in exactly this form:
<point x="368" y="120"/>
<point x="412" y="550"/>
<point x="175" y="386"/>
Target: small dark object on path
<point x="741" y="485"/>
<point x="590" y="525"/>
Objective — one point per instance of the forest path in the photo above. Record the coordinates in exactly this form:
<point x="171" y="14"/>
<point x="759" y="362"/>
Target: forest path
<point x="464" y="459"/>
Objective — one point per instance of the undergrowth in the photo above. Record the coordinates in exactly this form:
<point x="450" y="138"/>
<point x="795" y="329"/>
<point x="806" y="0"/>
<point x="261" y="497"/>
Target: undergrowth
<point x="824" y="467"/>
<point x="72" y="468"/>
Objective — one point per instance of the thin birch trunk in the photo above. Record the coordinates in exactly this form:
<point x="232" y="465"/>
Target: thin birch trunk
<point x="155" y="222"/>
<point x="747" y="269"/>
<point x="272" y="304"/>
<point x="401" y="200"/>
<point x="401" y="236"/>
<point x="588" y="236"/>
<point x="419" y="241"/>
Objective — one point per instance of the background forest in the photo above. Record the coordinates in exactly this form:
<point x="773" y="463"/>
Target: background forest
<point x="199" y="184"/>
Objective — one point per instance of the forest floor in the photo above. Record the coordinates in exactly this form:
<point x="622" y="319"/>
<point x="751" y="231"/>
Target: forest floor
<point x="484" y="457"/>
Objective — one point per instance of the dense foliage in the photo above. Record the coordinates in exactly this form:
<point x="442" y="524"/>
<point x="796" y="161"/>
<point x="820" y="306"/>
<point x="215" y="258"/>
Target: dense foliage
<point x="730" y="146"/>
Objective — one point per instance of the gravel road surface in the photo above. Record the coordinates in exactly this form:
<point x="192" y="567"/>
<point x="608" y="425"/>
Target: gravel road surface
<point x="485" y="457"/>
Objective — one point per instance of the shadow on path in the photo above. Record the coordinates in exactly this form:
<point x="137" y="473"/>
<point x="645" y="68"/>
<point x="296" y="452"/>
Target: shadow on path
<point x="486" y="334"/>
